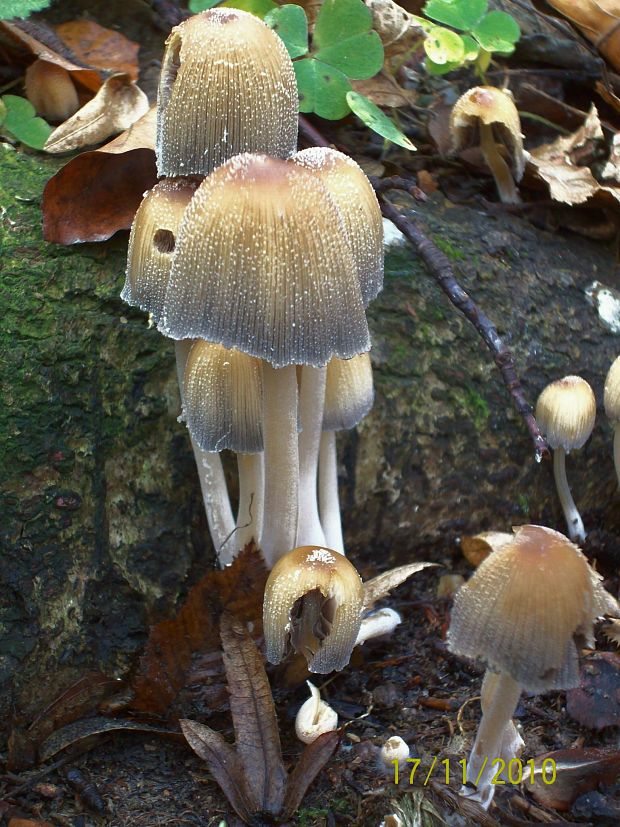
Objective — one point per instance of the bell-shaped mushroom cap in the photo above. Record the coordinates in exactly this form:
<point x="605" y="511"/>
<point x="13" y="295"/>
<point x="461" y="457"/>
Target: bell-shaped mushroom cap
<point x="355" y="198"/>
<point x="565" y="412"/>
<point x="227" y="86"/>
<point x="152" y="241"/>
<point x="349" y="392"/>
<point x="612" y="392"/>
<point x="490" y="106"/>
<point x="222" y="395"/>
<point x="262" y="265"/>
<point x="527" y="608"/>
<point x="313" y="598"/>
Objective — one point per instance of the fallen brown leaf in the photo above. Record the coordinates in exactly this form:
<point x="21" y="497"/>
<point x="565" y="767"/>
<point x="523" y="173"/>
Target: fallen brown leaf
<point x="577" y="771"/>
<point x="596" y="703"/>
<point x="116" y="106"/>
<point x="475" y="549"/>
<point x="382" y="584"/>
<point x="99" y="47"/>
<point x="395" y="26"/>
<point x="598" y="20"/>
<point x="97" y="193"/>
<point x="28" y="822"/>
<point x="383" y="90"/>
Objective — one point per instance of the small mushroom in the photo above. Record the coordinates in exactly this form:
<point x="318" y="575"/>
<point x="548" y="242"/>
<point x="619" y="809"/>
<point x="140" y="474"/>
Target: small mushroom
<point x="525" y="612"/>
<point x="612" y="408"/>
<point x="378" y="623"/>
<point x="313" y="603"/>
<point x="394" y="749"/>
<point x="51" y="91"/>
<point x="315" y="717"/>
<point x="488" y="115"/>
<point x="565" y="412"/>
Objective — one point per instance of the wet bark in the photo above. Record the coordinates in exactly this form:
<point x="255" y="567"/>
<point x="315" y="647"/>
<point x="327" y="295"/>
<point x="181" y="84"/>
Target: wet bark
<point x="102" y="526"/>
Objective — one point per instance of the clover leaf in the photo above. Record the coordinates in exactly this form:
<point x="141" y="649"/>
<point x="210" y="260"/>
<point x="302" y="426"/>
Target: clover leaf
<point x="497" y="32"/>
<point x="377" y="120"/>
<point x="322" y="89"/>
<point x="291" y="25"/>
<point x="460" y="14"/>
<point x="21" y="121"/>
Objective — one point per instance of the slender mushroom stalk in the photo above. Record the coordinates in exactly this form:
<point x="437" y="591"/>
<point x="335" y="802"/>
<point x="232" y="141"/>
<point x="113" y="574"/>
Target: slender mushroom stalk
<point x="311" y="403"/>
<point x="491" y="113"/>
<point x="527" y="610"/>
<point x="329" y="504"/>
<point x="565" y="411"/>
<point x="612" y="408"/>
<point x="251" y="498"/>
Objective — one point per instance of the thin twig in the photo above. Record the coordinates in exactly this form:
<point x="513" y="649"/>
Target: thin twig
<point x="440" y="268"/>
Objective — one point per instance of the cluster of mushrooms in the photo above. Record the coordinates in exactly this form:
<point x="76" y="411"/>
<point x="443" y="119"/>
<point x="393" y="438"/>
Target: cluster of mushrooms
<point x="259" y="262"/>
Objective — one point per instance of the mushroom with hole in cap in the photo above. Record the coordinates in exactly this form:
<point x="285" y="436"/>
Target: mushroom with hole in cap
<point x="315" y="717"/>
<point x="525" y="613"/>
<point x="222" y="407"/>
<point x="565" y="412"/>
<point x="487" y="116"/>
<point x="313" y="603"/>
<point x="227" y="86"/>
<point x="262" y="265"/>
<point x="612" y="408"/>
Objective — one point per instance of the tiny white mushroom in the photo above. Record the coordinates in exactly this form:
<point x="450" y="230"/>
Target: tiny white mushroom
<point x="376" y="624"/>
<point x="394" y="749"/>
<point x="314" y="717"/>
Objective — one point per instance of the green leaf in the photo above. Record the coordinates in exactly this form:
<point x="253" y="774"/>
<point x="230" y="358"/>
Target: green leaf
<point x="359" y="57"/>
<point x="441" y="68"/>
<point x="22" y="123"/>
<point x="322" y="89"/>
<point x="21" y="8"/>
<point x="377" y="120"/>
<point x="196" y="6"/>
<point x="472" y="49"/>
<point x="444" y="46"/>
<point x="497" y="32"/>
<point x="259" y="8"/>
<point x="2" y="111"/>
<point x="340" y="20"/>
<point x="291" y="24"/>
<point x="460" y="14"/>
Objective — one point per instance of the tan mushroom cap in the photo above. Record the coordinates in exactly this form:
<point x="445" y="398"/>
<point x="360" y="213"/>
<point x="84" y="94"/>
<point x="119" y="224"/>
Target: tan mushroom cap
<point x="222" y="395"/>
<point x="566" y="411"/>
<point x="51" y="91"/>
<point x="527" y="608"/>
<point x="152" y="242"/>
<point x="262" y="265"/>
<point x="612" y="392"/>
<point x="227" y="86"/>
<point x="355" y="198"/>
<point x="314" y="572"/>
<point x="349" y="392"/>
<point x="493" y="107"/>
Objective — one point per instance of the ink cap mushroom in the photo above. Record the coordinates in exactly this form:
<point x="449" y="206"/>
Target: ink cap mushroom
<point x="525" y="612"/>
<point x="565" y="412"/>
<point x="487" y="117"/>
<point x="227" y="86"/>
<point x="612" y="408"/>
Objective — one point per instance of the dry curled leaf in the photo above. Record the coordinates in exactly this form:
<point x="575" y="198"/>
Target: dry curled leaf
<point x="99" y="47"/>
<point x="116" y="106"/>
<point x="97" y="193"/>
<point x="382" y="584"/>
<point x="395" y="26"/>
<point x="598" y="20"/>
<point x="577" y="771"/>
<point x="596" y="703"/>
<point x="383" y="90"/>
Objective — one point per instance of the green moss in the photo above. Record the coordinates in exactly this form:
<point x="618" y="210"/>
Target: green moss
<point x="446" y="247"/>
<point x="473" y="405"/>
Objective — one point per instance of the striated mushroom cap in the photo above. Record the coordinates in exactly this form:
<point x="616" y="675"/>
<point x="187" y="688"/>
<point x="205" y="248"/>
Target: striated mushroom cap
<point x="227" y="86"/>
<point x="565" y="412"/>
<point x="313" y="600"/>
<point x="527" y="609"/>
<point x="152" y="242"/>
<point x="490" y="106"/>
<point x="349" y="392"/>
<point x="354" y="196"/>
<point x="262" y="265"/>
<point x="612" y="392"/>
<point x="222" y="398"/>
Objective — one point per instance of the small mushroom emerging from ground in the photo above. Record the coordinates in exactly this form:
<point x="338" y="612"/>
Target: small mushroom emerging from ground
<point x="313" y="603"/>
<point x="487" y="116"/>
<point x="565" y="411"/>
<point x="612" y="408"/>
<point x="51" y="91"/>
<point x="394" y="749"/>
<point x="526" y="612"/>
<point x="315" y="717"/>
<point x="227" y="86"/>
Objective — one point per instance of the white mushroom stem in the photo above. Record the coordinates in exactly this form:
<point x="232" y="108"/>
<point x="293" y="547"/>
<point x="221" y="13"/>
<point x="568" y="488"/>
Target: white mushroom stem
<point x="281" y="462"/>
<point x="491" y="739"/>
<point x="574" y="522"/>
<point x="617" y="451"/>
<point x="329" y="505"/>
<point x="211" y="475"/>
<point x="250" y="510"/>
<point x="504" y="181"/>
<point x="311" y="404"/>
